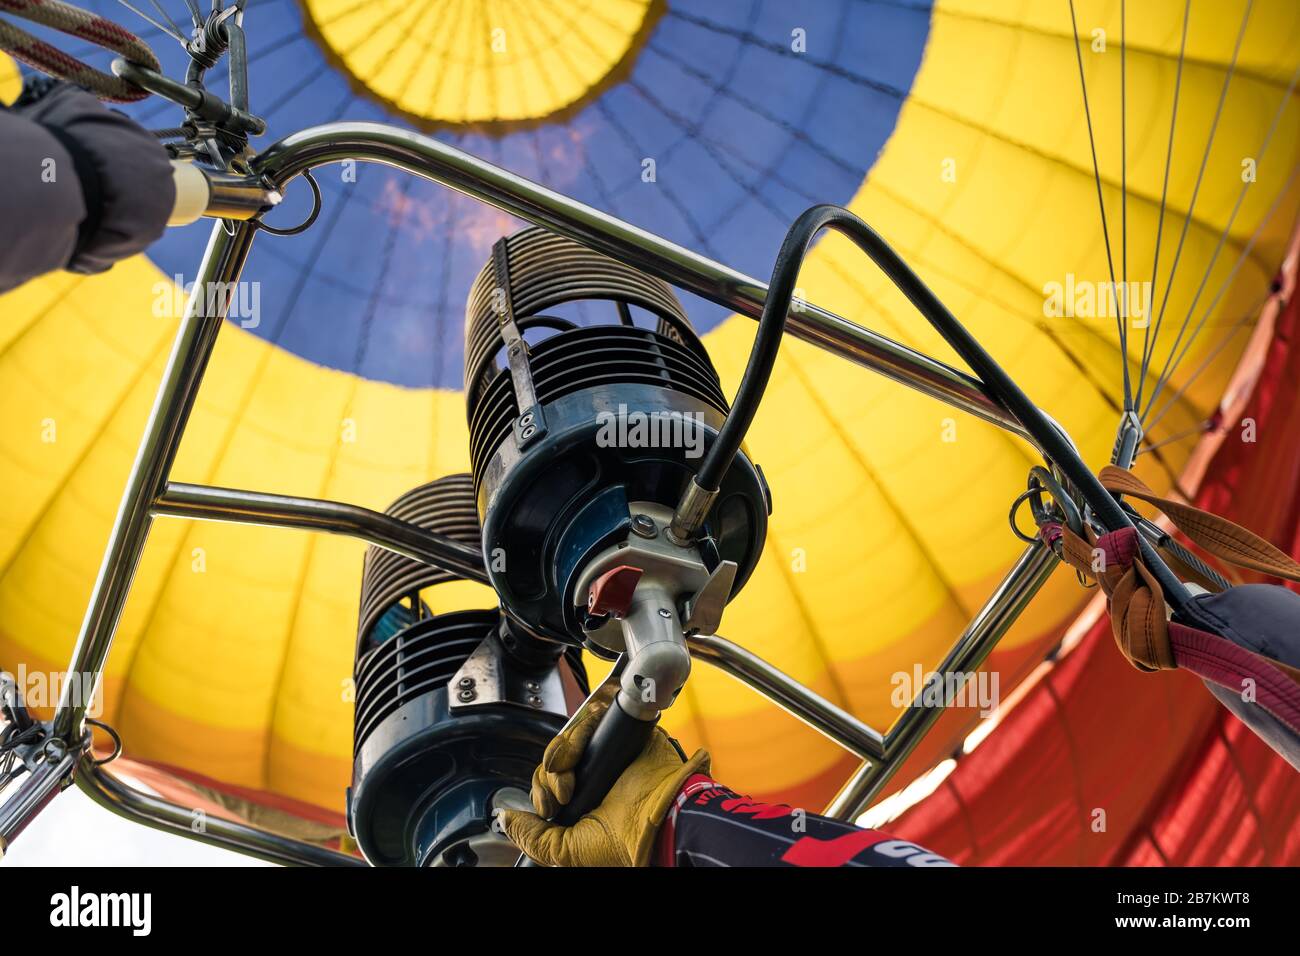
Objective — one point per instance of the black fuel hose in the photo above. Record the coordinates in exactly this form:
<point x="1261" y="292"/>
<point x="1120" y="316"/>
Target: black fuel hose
<point x="771" y="324"/>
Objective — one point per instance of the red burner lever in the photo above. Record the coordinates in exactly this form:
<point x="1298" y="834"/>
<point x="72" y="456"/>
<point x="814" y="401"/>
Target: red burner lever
<point x="611" y="593"/>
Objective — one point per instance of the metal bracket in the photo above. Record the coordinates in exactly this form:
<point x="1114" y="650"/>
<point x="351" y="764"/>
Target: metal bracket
<point x="1063" y="508"/>
<point x="704" y="610"/>
<point x="49" y="763"/>
<point x="491" y="676"/>
<point x="531" y="424"/>
<point x="673" y="568"/>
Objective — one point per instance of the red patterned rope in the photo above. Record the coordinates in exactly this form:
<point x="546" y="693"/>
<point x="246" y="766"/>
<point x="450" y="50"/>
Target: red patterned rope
<point x="84" y="25"/>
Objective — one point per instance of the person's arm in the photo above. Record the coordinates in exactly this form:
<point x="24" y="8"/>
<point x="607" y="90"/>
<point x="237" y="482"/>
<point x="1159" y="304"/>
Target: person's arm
<point x="81" y="186"/>
<point x="712" y="825"/>
<point x="666" y="810"/>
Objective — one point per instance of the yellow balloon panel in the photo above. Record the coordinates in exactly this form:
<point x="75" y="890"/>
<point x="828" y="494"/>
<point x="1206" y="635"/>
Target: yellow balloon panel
<point x="11" y="81"/>
<point x="472" y="62"/>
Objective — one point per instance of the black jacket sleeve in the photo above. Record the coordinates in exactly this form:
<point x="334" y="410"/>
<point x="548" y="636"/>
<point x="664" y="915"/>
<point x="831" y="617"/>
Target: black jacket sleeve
<point x="81" y="186"/>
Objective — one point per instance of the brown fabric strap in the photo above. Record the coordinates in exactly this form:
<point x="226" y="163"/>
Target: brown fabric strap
<point x="1138" y="619"/>
<point x="1138" y="616"/>
<point x="1218" y="536"/>
<point x="1077" y="552"/>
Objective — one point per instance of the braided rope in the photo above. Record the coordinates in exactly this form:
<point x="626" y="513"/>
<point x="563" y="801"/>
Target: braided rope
<point x="76" y="22"/>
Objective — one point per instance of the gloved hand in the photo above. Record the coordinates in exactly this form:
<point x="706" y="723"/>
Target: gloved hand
<point x="622" y="830"/>
<point x="86" y="186"/>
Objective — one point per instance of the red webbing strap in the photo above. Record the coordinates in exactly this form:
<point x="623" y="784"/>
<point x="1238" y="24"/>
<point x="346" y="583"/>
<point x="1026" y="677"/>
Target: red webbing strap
<point x="1276" y="687"/>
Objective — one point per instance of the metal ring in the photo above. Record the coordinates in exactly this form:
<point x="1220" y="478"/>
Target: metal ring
<point x="1015" y="506"/>
<point x="117" y="742"/>
<point x="305" y="224"/>
<point x="1064" y="503"/>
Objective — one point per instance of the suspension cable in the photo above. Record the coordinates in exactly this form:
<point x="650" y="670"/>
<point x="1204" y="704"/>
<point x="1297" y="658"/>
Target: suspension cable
<point x="1196" y="189"/>
<point x="1121" y="312"/>
<point x="1200" y="428"/>
<point x="1223" y="288"/>
<point x="1175" y="356"/>
<point x="1101" y="203"/>
<point x="1171" y="400"/>
<point x="1164" y="197"/>
<point x="172" y="30"/>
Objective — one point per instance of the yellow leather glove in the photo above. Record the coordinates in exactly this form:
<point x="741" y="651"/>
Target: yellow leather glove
<point x="619" y="832"/>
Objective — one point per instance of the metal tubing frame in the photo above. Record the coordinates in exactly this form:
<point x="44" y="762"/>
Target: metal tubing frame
<point x="41" y="785"/>
<point x="430" y="159"/>
<point x="884" y="753"/>
<point x="1030" y="572"/>
<point x="791" y="696"/>
<point x="113" y="793"/>
<point x="149" y="492"/>
<point x="205" y="503"/>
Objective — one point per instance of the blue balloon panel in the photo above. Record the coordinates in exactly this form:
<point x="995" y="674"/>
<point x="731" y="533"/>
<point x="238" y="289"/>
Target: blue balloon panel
<point x="744" y="133"/>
